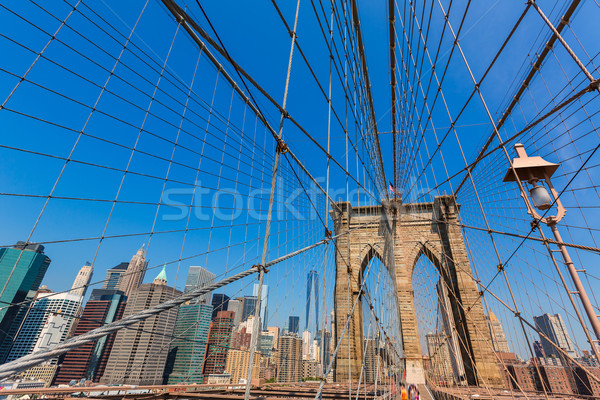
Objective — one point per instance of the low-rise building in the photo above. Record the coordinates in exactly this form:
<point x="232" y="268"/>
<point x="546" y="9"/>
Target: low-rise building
<point x="309" y="369"/>
<point x="219" y="379"/>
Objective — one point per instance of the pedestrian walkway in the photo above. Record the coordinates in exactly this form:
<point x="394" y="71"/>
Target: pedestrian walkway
<point x="424" y="393"/>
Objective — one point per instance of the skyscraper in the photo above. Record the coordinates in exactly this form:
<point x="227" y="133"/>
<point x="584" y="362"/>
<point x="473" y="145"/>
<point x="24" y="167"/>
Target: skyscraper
<point x="133" y="277"/>
<point x="497" y="333"/>
<point x="294" y="324"/>
<point x="83" y="278"/>
<point x="554" y="328"/>
<point x="249" y="307"/>
<point x="538" y="349"/>
<point x="237" y="307"/>
<point x="199" y="277"/>
<point x="186" y="355"/>
<point x="89" y="360"/>
<point x="220" y="302"/>
<point x="22" y="269"/>
<point x="290" y="359"/>
<point x="113" y="275"/>
<point x="45" y="307"/>
<point x="312" y="283"/>
<point x="187" y="352"/>
<point x="306" y="343"/>
<point x="138" y="356"/>
<point x="324" y="340"/>
<point x="263" y="303"/>
<point x="219" y="340"/>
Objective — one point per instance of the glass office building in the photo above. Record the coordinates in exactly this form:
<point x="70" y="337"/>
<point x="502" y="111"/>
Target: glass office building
<point x="22" y="269"/>
<point x="186" y="355"/>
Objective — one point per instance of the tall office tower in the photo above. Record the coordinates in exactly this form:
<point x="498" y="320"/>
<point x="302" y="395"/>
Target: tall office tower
<point x="249" y="307"/>
<point x="538" y="349"/>
<point x="447" y="322"/>
<point x="219" y="340"/>
<point x="45" y="306"/>
<point x="497" y="333"/>
<point x="133" y="276"/>
<point x="113" y="275"/>
<point x="263" y="304"/>
<point x="274" y="331"/>
<point x="22" y="269"/>
<point x="88" y="361"/>
<point x="186" y="356"/>
<point x="237" y="365"/>
<point x="306" y="343"/>
<point x="237" y="307"/>
<point x="553" y="326"/>
<point x="220" y="302"/>
<point x="312" y="283"/>
<point x="294" y="324"/>
<point x="290" y="359"/>
<point x="84" y="276"/>
<point x="199" y="277"/>
<point x="439" y="354"/>
<point x="324" y="340"/>
<point x="54" y="330"/>
<point x="139" y="354"/>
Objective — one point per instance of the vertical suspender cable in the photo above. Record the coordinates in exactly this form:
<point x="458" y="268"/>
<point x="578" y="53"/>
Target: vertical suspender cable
<point x="261" y="275"/>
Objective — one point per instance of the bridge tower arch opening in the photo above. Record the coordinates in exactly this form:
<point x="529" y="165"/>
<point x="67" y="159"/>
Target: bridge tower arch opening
<point x="399" y="234"/>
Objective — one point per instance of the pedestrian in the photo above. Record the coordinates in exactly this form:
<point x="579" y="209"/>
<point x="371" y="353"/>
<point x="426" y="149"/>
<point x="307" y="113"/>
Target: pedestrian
<point x="404" y="393"/>
<point x="412" y="392"/>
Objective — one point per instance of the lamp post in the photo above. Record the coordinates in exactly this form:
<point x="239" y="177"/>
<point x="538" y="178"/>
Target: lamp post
<point x="537" y="172"/>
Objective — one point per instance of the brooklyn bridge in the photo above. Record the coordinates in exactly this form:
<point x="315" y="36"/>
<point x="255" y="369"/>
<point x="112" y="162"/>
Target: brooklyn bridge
<point x="299" y="199"/>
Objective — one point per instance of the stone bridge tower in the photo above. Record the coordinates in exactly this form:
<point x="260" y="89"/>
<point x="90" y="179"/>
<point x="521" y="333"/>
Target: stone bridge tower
<point x="399" y="234"/>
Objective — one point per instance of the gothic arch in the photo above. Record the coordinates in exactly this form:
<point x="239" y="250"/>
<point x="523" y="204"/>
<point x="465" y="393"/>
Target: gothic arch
<point x="367" y="253"/>
<point x="399" y="235"/>
<point x="428" y="250"/>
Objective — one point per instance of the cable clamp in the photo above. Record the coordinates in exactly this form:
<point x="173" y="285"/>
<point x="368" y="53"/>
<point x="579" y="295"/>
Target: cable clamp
<point x="594" y="84"/>
<point x="534" y="225"/>
<point x="500" y="267"/>
<point x="327" y="233"/>
<point x="281" y="146"/>
<point x="260" y="267"/>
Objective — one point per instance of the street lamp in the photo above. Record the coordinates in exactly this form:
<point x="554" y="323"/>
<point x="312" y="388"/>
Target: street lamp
<point x="537" y="173"/>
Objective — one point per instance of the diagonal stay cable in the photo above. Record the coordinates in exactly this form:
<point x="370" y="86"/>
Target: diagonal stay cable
<point x="30" y="360"/>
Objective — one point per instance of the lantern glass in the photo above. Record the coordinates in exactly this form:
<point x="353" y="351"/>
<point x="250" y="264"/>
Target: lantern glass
<point x="540" y="197"/>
